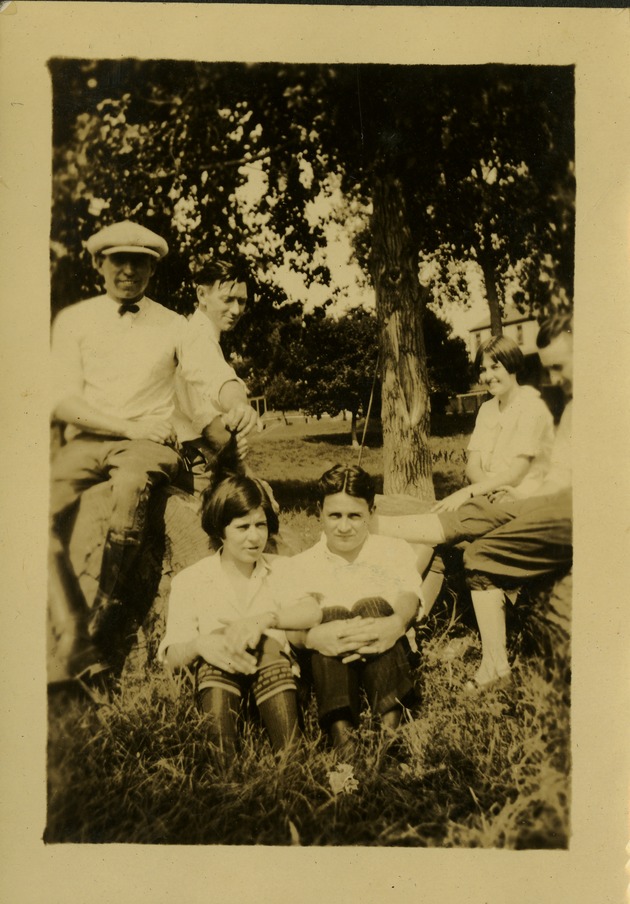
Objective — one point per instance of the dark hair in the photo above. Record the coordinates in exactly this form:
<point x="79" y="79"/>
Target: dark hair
<point x="554" y="326"/>
<point x="234" y="497"/>
<point x="501" y="349"/>
<point x="352" y="480"/>
<point x="207" y="269"/>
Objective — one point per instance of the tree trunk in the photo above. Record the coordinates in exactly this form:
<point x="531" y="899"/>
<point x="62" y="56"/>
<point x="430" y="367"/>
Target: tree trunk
<point x="492" y="294"/>
<point x="405" y="407"/>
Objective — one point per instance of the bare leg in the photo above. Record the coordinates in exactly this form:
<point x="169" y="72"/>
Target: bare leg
<point x="414" y="528"/>
<point x="424" y="556"/>
<point x="431" y="586"/>
<point x="490" y="612"/>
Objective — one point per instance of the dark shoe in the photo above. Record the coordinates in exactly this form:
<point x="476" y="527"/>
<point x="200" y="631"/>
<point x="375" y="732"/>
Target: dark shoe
<point x="393" y="753"/>
<point x="343" y="740"/>
<point x="86" y="662"/>
<point x="106" y="621"/>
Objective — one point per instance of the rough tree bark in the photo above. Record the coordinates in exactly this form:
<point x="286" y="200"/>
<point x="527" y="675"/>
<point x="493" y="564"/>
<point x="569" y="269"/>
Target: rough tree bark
<point x="405" y="408"/>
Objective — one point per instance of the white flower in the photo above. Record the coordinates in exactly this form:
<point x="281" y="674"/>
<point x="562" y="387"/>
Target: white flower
<point x="342" y="779"/>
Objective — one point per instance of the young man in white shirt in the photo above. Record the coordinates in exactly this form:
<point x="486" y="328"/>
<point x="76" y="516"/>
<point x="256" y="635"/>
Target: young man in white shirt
<point x="114" y="362"/>
<point x="222" y="287"/>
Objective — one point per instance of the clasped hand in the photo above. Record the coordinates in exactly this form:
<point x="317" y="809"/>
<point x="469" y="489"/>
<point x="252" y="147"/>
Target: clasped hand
<point x="355" y="638"/>
<point x="244" y="633"/>
<point x="218" y="651"/>
<point x="504" y="494"/>
<point x="452" y="502"/>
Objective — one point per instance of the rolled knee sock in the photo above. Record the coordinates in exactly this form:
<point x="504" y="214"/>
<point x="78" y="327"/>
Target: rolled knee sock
<point x="372" y="607"/>
<point x="335" y="613"/>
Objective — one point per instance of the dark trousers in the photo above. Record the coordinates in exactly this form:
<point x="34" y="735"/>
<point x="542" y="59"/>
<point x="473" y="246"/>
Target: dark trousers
<point x="131" y="469"/>
<point x="528" y="539"/>
<point x="386" y="678"/>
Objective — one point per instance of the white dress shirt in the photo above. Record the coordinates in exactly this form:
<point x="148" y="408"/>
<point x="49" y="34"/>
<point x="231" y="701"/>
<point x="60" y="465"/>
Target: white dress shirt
<point x="197" y="387"/>
<point x="385" y="566"/>
<point x="125" y="365"/>
<point x="523" y="428"/>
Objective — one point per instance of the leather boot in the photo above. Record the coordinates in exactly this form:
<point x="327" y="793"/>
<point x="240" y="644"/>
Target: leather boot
<point x="108" y="616"/>
<point x="75" y="654"/>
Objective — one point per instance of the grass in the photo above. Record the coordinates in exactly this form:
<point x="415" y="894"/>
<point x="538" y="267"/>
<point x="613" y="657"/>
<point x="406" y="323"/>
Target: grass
<point x="491" y="771"/>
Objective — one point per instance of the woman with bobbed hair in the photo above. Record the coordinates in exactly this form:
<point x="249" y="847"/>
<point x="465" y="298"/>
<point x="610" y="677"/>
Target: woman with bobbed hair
<point x="232" y="498"/>
<point x="510" y="446"/>
<point x="513" y="435"/>
<point x="226" y="618"/>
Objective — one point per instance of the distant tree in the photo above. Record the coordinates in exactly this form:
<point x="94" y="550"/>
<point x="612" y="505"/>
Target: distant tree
<point x="284" y="394"/>
<point x="449" y="366"/>
<point x="340" y="360"/>
<point x="321" y="364"/>
<point x="503" y="198"/>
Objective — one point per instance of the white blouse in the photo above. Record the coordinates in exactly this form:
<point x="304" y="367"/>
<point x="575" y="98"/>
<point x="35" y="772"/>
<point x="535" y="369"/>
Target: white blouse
<point x="523" y="428"/>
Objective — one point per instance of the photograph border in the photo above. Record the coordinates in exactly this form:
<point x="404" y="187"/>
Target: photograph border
<point x="596" y="41"/>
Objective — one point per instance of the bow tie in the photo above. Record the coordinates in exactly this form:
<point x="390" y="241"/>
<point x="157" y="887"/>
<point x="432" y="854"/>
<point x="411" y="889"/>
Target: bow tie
<point x="132" y="308"/>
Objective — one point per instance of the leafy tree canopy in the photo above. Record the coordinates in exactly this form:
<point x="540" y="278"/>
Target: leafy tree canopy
<point x="454" y="165"/>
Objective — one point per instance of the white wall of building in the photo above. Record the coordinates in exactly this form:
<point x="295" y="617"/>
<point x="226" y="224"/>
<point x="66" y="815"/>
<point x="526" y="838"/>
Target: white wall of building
<point x="523" y="333"/>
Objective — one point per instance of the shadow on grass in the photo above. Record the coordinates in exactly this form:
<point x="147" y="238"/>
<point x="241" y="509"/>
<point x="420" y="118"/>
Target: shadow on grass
<point x="452" y="424"/>
<point x="373" y="438"/>
<point x="445" y="483"/>
<point x="301" y="495"/>
<point x="442" y="425"/>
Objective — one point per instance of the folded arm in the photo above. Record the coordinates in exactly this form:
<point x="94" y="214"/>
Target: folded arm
<point x="299" y="616"/>
<point x="390" y="628"/>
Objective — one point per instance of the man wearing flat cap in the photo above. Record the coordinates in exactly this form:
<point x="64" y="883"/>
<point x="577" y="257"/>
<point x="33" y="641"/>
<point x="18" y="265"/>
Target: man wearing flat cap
<point x="114" y="362"/>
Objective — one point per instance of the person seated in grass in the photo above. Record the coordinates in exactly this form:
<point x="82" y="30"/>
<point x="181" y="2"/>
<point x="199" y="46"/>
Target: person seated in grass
<point x="368" y="589"/>
<point x="510" y="444"/>
<point x="226" y="621"/>
<point x="515" y="539"/>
